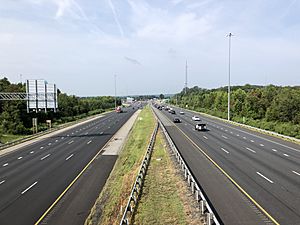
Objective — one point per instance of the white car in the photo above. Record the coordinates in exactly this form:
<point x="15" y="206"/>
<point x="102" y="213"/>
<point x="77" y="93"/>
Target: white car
<point x="196" y="118"/>
<point x="200" y="127"/>
<point x="181" y="113"/>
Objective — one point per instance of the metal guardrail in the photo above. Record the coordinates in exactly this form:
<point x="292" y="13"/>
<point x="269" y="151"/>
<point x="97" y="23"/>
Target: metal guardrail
<point x="205" y="208"/>
<point x="138" y="184"/>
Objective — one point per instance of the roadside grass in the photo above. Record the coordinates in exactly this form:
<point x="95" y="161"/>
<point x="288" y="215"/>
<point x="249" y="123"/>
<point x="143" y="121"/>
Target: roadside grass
<point x="114" y="196"/>
<point x="6" y="138"/>
<point x="164" y="198"/>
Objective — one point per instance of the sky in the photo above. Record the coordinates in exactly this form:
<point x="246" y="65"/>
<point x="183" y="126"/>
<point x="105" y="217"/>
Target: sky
<point x="80" y="45"/>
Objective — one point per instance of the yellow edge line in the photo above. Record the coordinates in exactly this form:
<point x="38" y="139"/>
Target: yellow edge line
<point x="229" y="177"/>
<point x="71" y="184"/>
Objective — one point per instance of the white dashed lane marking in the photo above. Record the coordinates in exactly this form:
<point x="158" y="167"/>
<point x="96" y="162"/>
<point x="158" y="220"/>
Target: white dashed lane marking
<point x="89" y="142"/>
<point x="296" y="173"/>
<point x="265" y="177"/>
<point x="225" y="150"/>
<point x="69" y="157"/>
<point x="251" y="150"/>
<point x="224" y="137"/>
<point x="205" y="137"/>
<point x="46" y="156"/>
<point x="27" y="189"/>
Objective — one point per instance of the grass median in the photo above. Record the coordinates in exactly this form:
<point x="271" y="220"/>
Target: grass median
<point x="165" y="197"/>
<point x="114" y="196"/>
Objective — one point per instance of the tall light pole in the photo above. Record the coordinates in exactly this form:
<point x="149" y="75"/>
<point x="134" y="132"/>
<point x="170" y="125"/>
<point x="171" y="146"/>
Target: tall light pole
<point x="229" y="38"/>
<point x="185" y="84"/>
<point x="115" y="91"/>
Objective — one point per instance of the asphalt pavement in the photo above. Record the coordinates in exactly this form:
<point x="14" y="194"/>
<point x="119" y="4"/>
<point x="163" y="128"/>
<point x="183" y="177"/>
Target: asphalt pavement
<point x="265" y="167"/>
<point x="33" y="177"/>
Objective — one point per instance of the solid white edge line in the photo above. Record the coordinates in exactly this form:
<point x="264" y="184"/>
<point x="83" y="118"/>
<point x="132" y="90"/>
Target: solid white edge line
<point x="296" y="173"/>
<point x="225" y="150"/>
<point x="251" y="150"/>
<point x="265" y="177"/>
<point x="70" y="156"/>
<point x="27" y="189"/>
<point x="46" y="156"/>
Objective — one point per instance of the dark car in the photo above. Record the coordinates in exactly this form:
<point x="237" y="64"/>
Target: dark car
<point x="176" y="120"/>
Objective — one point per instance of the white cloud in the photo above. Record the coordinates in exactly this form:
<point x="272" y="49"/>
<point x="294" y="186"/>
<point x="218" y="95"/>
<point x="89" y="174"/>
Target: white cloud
<point x="116" y="17"/>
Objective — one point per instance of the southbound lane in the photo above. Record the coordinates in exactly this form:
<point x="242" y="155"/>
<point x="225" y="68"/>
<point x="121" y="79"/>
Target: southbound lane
<point x="33" y="182"/>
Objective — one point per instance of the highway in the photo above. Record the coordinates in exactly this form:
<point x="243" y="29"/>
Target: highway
<point x="266" y="168"/>
<point x="33" y="177"/>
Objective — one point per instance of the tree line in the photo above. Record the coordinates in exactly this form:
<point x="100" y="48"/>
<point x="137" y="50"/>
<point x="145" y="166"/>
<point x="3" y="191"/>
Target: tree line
<point x="269" y="107"/>
<point x="14" y="118"/>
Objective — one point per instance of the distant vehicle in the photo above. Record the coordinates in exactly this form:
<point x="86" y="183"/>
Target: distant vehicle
<point x="172" y="111"/>
<point x="181" y="113"/>
<point x="196" y="118"/>
<point x="176" y="120"/>
<point x="119" y="109"/>
<point x="200" y="127"/>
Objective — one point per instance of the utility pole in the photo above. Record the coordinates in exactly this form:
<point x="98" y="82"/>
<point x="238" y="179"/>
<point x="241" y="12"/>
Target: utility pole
<point x="185" y="84"/>
<point x="115" y="91"/>
<point x="229" y="51"/>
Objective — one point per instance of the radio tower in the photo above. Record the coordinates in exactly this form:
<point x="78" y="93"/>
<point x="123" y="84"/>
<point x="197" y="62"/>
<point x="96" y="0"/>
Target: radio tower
<point x="185" y="84"/>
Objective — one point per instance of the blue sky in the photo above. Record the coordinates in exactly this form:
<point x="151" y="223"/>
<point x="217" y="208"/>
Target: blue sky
<point x="81" y="44"/>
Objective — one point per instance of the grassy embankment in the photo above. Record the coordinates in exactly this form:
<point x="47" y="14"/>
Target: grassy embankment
<point x="165" y="196"/>
<point x="107" y="209"/>
<point x="5" y="138"/>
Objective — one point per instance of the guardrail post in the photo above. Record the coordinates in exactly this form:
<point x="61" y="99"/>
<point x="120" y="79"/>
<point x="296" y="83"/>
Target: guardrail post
<point x="193" y="186"/>
<point x="197" y="195"/>
<point x="185" y="173"/>
<point x="189" y="179"/>
<point x="209" y="218"/>
<point x="202" y="207"/>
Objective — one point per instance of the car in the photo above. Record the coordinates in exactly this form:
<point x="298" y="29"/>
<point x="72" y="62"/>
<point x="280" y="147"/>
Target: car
<point x="176" y="120"/>
<point x="200" y="127"/>
<point x="196" y="118"/>
<point x="181" y="113"/>
<point x="172" y="111"/>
